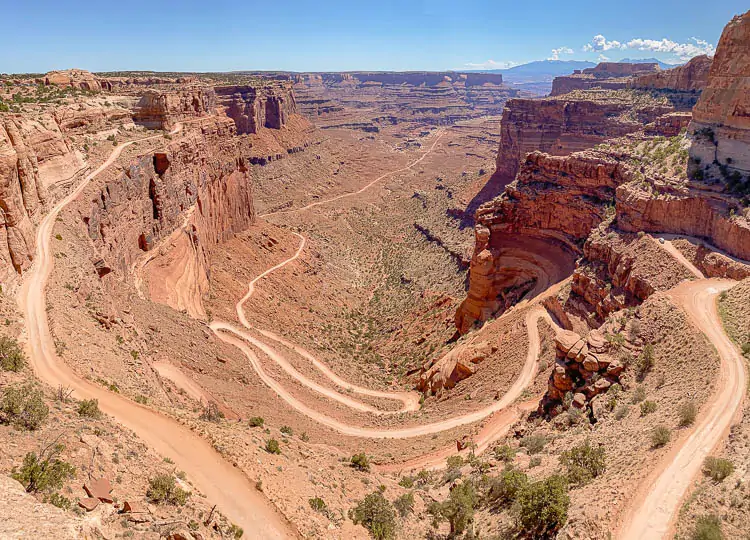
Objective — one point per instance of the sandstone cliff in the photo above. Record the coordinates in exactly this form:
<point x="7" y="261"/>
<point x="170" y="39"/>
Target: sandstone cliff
<point x="253" y="108"/>
<point x="691" y="77"/>
<point x="33" y="157"/>
<point x="159" y="109"/>
<point x="721" y="118"/>
<point x="606" y="75"/>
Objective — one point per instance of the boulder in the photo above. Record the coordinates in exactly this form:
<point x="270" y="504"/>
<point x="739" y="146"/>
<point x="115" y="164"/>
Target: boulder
<point x="88" y="503"/>
<point x="99" y="489"/>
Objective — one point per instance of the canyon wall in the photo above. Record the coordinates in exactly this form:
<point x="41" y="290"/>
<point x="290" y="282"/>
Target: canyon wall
<point x="162" y="109"/>
<point x="721" y="118"/>
<point x="606" y="75"/>
<point x="33" y="157"/>
<point x="691" y="77"/>
<point x="565" y="124"/>
<point x="253" y="107"/>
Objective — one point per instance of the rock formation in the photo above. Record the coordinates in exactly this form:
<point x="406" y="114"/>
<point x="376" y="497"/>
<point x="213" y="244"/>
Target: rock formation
<point x="606" y="75"/>
<point x="163" y="109"/>
<point x="690" y="77"/>
<point x="721" y="118"/>
<point x="253" y="107"/>
<point x="75" y="78"/>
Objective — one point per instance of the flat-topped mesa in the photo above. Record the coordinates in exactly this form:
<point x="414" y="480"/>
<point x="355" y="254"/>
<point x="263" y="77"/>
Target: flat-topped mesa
<point x="162" y="109"/>
<point x="606" y="75"/>
<point x="690" y="77"/>
<point x="721" y="119"/>
<point x="255" y="107"/>
<point x="569" y="123"/>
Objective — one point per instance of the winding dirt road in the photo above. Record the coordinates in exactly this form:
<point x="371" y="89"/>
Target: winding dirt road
<point x="218" y="480"/>
<point x="654" y="510"/>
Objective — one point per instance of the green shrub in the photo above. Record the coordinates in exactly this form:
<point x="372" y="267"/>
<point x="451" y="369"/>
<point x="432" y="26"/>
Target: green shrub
<point x="286" y="430"/>
<point x="11" y="355"/>
<point x="318" y="504"/>
<point x="89" y="408"/>
<point x="646" y="361"/>
<point x="272" y="446"/>
<point x="55" y="499"/>
<point x="212" y="413"/>
<point x="717" y="468"/>
<point x="505" y="454"/>
<point x="688" y="411"/>
<point x="360" y="462"/>
<point x="163" y="489"/>
<point x="583" y="462"/>
<point x="257" y="421"/>
<point x="660" y="436"/>
<point x="404" y="504"/>
<point x="406" y="482"/>
<point x="47" y="472"/>
<point x="648" y="407"/>
<point x="23" y="407"/>
<point x="375" y="514"/>
<point x="235" y="531"/>
<point x="621" y="412"/>
<point x="505" y="488"/>
<point x="533" y="443"/>
<point x="543" y="507"/>
<point x="639" y="394"/>
<point x="707" y="528"/>
<point x="454" y="462"/>
<point x="458" y="508"/>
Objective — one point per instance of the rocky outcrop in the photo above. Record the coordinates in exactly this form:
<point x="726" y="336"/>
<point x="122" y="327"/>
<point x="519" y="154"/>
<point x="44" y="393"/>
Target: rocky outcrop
<point x="72" y="118"/>
<point x="721" y="118"/>
<point x="163" y="109"/>
<point x="690" y="77"/>
<point x="583" y="370"/>
<point x="567" y="124"/>
<point x="33" y="157"/>
<point x="459" y="364"/>
<point x="75" y="78"/>
<point x="256" y="107"/>
<point x="606" y="75"/>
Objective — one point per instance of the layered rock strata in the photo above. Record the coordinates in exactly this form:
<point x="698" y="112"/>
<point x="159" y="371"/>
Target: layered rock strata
<point x="163" y="109"/>
<point x="253" y="108"/>
<point x="606" y="75"/>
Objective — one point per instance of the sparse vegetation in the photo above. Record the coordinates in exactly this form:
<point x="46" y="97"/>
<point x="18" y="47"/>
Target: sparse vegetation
<point x="458" y="509"/>
<point x="648" y="407"/>
<point x="533" y="443"/>
<point x="707" y="528"/>
<point x="163" y="489"/>
<point x="318" y="504"/>
<point x="504" y="489"/>
<point x="404" y="504"/>
<point x="46" y="472"/>
<point x="543" y="507"/>
<point x="89" y="408"/>
<point x="272" y="446"/>
<point x="11" y="355"/>
<point x="646" y="362"/>
<point x="505" y="453"/>
<point x="660" y="436"/>
<point x="212" y="413"/>
<point x="375" y="514"/>
<point x="286" y="430"/>
<point x="360" y="462"/>
<point x="688" y="411"/>
<point x="256" y="421"/>
<point x="717" y="468"/>
<point x="23" y="407"/>
<point x="583" y="463"/>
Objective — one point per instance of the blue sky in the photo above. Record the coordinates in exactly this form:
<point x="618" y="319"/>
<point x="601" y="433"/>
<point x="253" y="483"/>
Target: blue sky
<point x="325" y="35"/>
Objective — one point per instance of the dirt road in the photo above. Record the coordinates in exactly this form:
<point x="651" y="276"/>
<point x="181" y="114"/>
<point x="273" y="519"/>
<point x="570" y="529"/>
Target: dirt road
<point x="654" y="509"/>
<point x="218" y="480"/>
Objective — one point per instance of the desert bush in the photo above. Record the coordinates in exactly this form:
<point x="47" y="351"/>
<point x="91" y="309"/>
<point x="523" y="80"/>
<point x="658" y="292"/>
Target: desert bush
<point x="646" y="362"/>
<point x="404" y="504"/>
<point x="89" y="408"/>
<point x="46" y="472"/>
<point x="11" y="355"/>
<point x="583" y="463"/>
<point x="55" y="499"/>
<point x="648" y="407"/>
<point x="660" y="436"/>
<point x="504" y="489"/>
<point x="457" y="509"/>
<point x="688" y="411"/>
<point x="535" y="462"/>
<point x="533" y="443"/>
<point x="272" y="446"/>
<point x="621" y="412"/>
<point x="542" y="508"/>
<point x="639" y="394"/>
<point x="318" y="504"/>
<point x="286" y="430"/>
<point x="163" y="489"/>
<point x="235" y="531"/>
<point x="23" y="407"/>
<point x="454" y="462"/>
<point x="360" y="462"/>
<point x="406" y="482"/>
<point x="707" y="528"/>
<point x="717" y="468"/>
<point x="212" y="413"/>
<point x="257" y="421"/>
<point x="375" y="514"/>
<point x="505" y="454"/>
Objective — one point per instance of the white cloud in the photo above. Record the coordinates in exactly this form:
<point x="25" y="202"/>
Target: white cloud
<point x="600" y="43"/>
<point x="603" y="58"/>
<point x="491" y="64"/>
<point x="684" y="51"/>
<point x="557" y="52"/>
